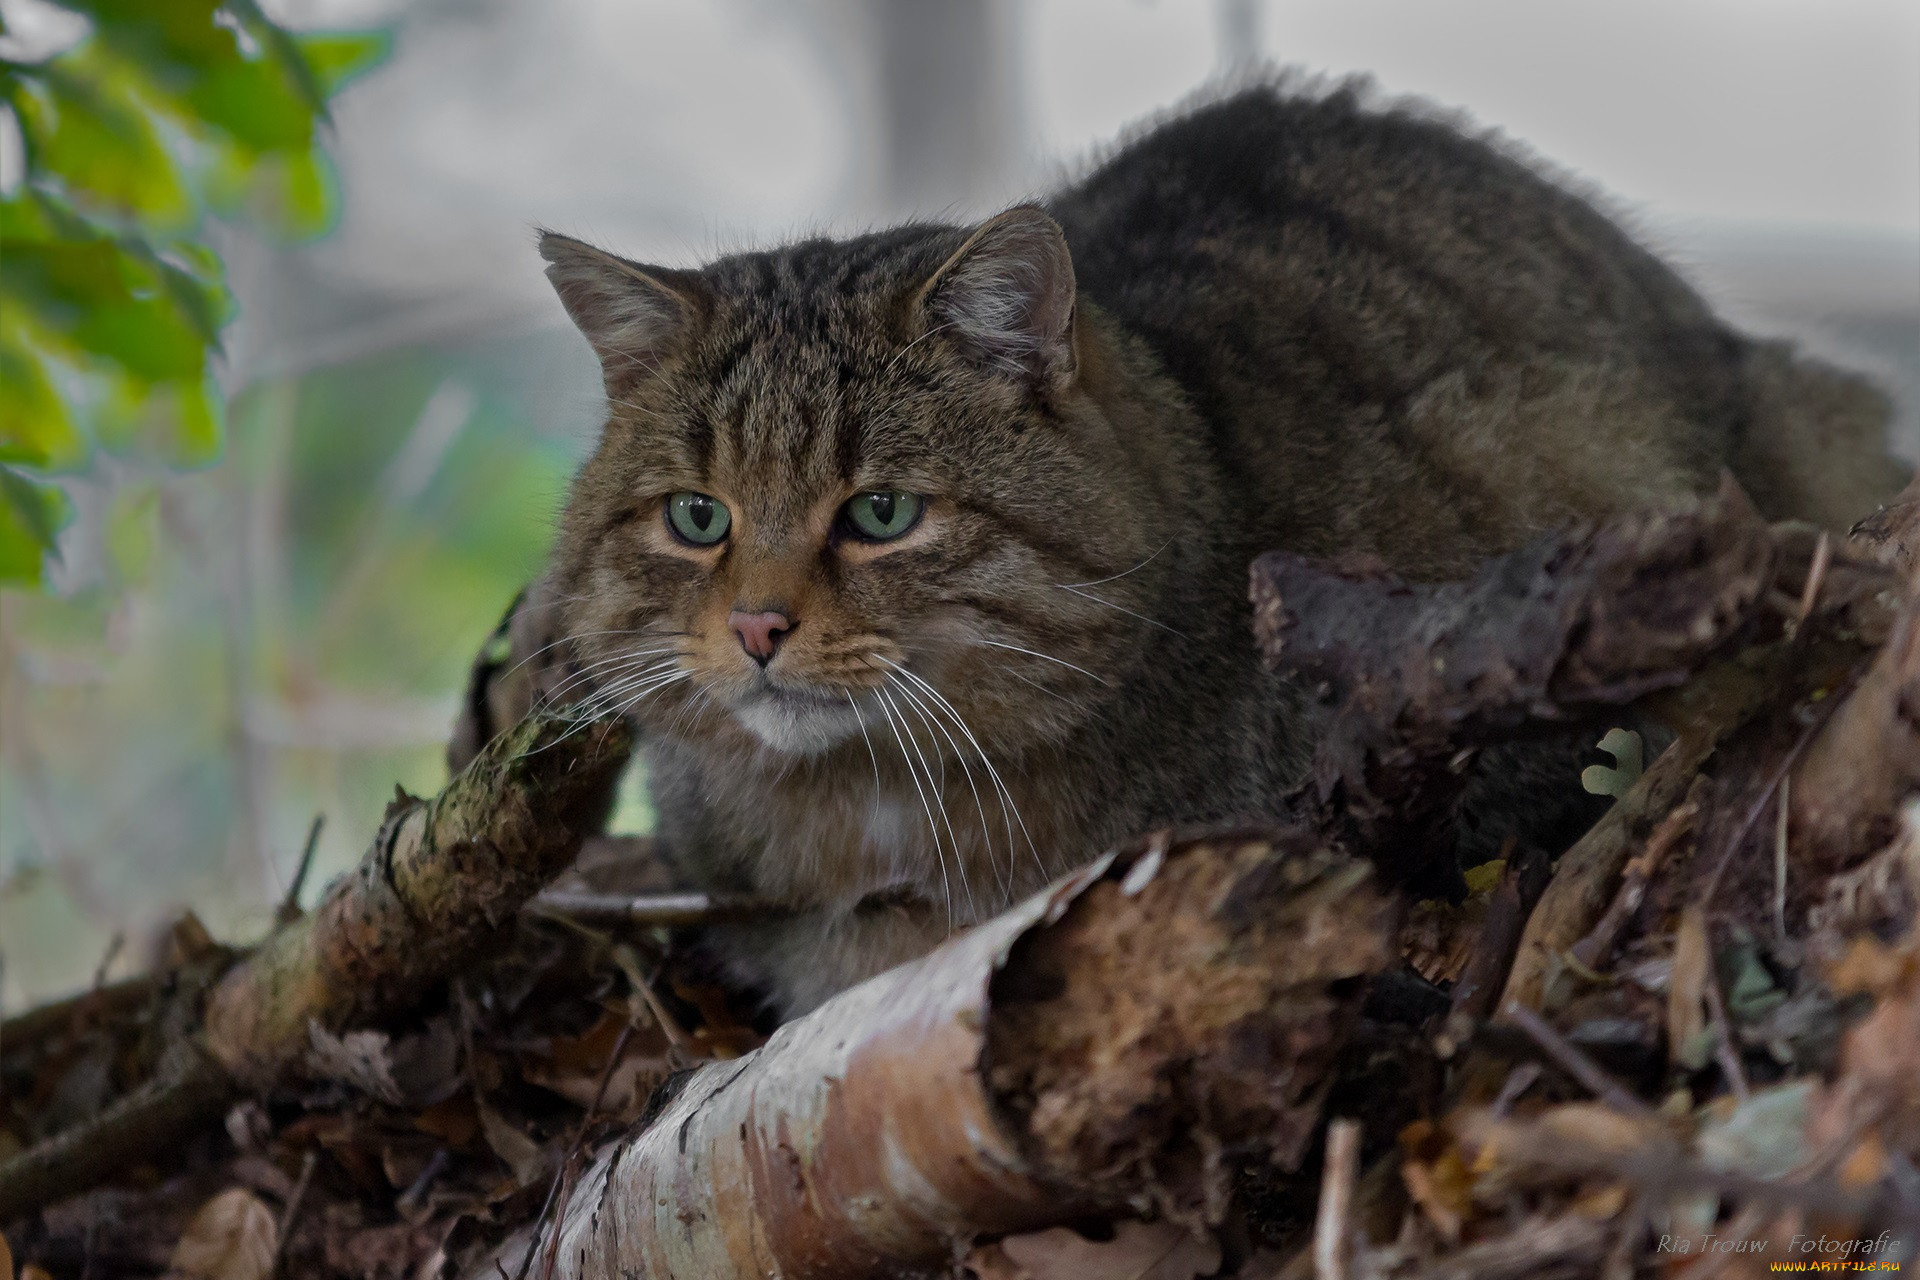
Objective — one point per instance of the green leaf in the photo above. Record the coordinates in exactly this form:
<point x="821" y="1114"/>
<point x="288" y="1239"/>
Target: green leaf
<point x="1624" y="746"/>
<point x="114" y="300"/>
<point x="180" y="34"/>
<point x="298" y="194"/>
<point x="32" y="514"/>
<point x="181" y="423"/>
<point x="83" y="128"/>
<point x="257" y="104"/>
<point x="35" y="427"/>
<point x="337" y="57"/>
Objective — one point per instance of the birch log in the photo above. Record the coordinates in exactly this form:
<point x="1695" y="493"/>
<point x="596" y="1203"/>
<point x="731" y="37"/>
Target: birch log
<point x="1123" y="1039"/>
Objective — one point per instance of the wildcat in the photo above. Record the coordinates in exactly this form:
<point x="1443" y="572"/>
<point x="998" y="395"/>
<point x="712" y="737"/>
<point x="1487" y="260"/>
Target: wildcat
<point x="920" y="557"/>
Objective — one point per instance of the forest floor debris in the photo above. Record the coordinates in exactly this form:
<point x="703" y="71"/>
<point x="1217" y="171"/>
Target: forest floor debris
<point x="1688" y="1044"/>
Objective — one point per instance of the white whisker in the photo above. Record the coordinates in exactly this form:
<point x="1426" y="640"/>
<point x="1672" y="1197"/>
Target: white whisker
<point x="585" y="675"/>
<point x="932" y="831"/>
<point x="931" y="718"/>
<point x="1152" y="622"/>
<point x="1116" y="577"/>
<point x="1044" y="656"/>
<point x="938" y="789"/>
<point x="1005" y="794"/>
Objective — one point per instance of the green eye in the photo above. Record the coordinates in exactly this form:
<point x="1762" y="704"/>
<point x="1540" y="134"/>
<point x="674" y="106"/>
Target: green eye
<point x="880" y="517"/>
<point x="698" y="519"/>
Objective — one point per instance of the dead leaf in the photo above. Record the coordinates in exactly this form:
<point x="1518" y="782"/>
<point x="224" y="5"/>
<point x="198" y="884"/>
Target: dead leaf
<point x="6" y="1258"/>
<point x="1138" y="1251"/>
<point x="573" y="1066"/>
<point x="1573" y="1138"/>
<point x="1866" y="1165"/>
<point x="1870" y="966"/>
<point x="990" y="1262"/>
<point x="1436" y="1177"/>
<point x="720" y="1032"/>
<point x="1601" y="1203"/>
<point x="358" y="1059"/>
<point x="516" y="1150"/>
<point x="1879" y="1063"/>
<point x="454" y="1121"/>
<point x="1438" y="938"/>
<point x="352" y="1142"/>
<point x="34" y="1271"/>
<point x="395" y="1252"/>
<point x="425" y="1064"/>
<point x="232" y="1237"/>
<point x="188" y="941"/>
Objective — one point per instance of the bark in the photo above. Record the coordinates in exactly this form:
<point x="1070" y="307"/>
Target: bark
<point x="441" y="880"/>
<point x="1572" y="625"/>
<point x="1123" y="1039"/>
<point x="1563" y="631"/>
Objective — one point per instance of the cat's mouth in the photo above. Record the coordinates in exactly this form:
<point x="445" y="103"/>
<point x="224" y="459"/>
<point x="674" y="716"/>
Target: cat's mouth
<point x="799" y="721"/>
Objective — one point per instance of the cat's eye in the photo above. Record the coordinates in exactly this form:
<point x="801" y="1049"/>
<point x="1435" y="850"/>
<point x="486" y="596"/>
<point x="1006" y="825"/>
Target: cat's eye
<point x="696" y="518"/>
<point x="881" y="517"/>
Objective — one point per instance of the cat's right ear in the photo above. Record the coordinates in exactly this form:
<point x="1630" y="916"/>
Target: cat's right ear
<point x="633" y="316"/>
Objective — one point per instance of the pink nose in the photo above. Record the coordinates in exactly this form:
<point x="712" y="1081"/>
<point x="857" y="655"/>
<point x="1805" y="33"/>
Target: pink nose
<point x="759" y="633"/>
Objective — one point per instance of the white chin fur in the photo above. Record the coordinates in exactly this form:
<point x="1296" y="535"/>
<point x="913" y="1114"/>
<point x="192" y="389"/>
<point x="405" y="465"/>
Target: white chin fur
<point x="798" y="728"/>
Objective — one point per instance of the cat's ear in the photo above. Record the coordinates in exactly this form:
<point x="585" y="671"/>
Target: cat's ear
<point x="632" y="315"/>
<point x="1008" y="295"/>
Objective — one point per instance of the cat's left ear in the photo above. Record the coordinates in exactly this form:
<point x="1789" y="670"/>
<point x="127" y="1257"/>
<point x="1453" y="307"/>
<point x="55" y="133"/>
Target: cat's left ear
<point x="1008" y="295"/>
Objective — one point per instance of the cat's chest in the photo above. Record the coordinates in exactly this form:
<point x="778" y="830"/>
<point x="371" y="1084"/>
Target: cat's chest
<point x="832" y="838"/>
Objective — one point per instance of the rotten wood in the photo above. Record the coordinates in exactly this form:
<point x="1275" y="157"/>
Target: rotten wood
<point x="1123" y="1039"/>
<point x="1412" y="676"/>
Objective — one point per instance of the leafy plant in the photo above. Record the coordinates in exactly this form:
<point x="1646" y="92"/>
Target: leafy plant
<point x="164" y="113"/>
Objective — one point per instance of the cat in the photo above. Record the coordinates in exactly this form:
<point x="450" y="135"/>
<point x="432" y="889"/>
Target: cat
<point x="920" y="558"/>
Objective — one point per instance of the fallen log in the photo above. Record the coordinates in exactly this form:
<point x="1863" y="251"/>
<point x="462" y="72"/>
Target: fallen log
<point x="1123" y="1039"/>
<point x="1564" y="631"/>
<point x="441" y="879"/>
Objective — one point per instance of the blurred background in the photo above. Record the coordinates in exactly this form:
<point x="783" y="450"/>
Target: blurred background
<point x="271" y="616"/>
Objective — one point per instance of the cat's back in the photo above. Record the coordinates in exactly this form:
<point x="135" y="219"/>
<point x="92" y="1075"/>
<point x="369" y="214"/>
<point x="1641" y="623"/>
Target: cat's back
<point x="1401" y="245"/>
<point x="1403" y="337"/>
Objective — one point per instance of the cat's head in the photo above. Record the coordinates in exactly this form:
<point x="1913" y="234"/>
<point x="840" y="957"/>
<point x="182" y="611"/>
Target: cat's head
<point x="853" y="489"/>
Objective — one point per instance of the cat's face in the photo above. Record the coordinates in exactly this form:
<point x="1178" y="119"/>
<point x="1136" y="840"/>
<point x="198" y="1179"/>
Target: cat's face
<point x="851" y="492"/>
